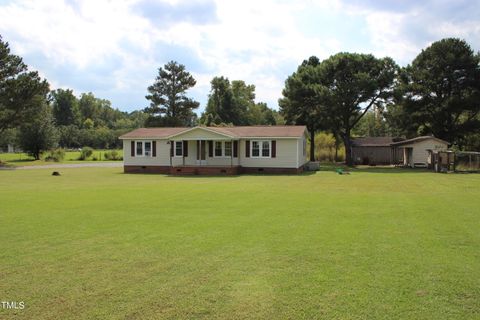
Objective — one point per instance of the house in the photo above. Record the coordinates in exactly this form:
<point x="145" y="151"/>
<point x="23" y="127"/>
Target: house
<point x="215" y="150"/>
<point x="416" y="151"/>
<point x="375" y="150"/>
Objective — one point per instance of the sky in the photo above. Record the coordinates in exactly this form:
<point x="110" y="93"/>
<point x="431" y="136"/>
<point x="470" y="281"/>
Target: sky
<point x="114" y="48"/>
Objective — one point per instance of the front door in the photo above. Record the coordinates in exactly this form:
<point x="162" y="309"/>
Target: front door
<point x="201" y="152"/>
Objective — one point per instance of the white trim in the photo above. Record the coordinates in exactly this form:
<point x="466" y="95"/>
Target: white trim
<point x="223" y="155"/>
<point x="223" y="139"/>
<point x="203" y="128"/>
<point x="143" y="155"/>
<point x="175" y="149"/>
<point x="260" y="148"/>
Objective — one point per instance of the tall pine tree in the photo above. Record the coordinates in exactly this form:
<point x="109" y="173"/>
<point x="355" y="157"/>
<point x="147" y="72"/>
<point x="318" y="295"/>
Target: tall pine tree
<point x="169" y="105"/>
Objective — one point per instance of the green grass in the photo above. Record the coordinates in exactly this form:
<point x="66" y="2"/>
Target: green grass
<point x="376" y="244"/>
<point x="23" y="159"/>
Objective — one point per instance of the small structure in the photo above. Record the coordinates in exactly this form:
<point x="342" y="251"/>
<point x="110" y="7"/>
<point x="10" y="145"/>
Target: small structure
<point x="416" y="151"/>
<point x="441" y="161"/>
<point x="216" y="150"/>
<point x="375" y="150"/>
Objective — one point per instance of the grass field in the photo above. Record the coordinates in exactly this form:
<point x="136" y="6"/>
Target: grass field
<point x="376" y="244"/>
<point x="22" y="159"/>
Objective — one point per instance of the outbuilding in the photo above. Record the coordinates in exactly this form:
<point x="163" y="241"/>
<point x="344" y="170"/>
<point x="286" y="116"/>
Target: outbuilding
<point x="375" y="150"/>
<point x="416" y="151"/>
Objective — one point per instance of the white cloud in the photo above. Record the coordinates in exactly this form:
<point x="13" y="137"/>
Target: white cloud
<point x="261" y="42"/>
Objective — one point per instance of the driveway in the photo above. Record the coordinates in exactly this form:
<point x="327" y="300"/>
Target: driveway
<point x="71" y="165"/>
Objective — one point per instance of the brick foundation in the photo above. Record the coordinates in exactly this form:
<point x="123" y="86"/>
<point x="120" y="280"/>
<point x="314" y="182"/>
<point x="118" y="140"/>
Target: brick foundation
<point x="212" y="171"/>
<point x="207" y="170"/>
<point x="262" y="170"/>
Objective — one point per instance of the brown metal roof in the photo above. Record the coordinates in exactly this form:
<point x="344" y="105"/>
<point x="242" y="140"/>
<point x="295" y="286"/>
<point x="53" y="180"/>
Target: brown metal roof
<point x="374" y="141"/>
<point x="237" y="132"/>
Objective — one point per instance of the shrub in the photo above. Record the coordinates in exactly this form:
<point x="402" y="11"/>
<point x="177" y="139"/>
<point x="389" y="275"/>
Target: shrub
<point x="94" y="158"/>
<point x="112" y="155"/>
<point x="85" y="153"/>
<point x="325" y="148"/>
<point x="56" y="155"/>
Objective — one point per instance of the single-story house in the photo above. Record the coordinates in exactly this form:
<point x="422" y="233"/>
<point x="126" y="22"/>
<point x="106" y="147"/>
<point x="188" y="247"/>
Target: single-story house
<point x="416" y="151"/>
<point x="215" y="150"/>
<point x="374" y="150"/>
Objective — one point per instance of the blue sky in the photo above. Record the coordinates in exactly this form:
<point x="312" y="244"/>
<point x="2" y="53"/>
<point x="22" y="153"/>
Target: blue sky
<point x="114" y="48"/>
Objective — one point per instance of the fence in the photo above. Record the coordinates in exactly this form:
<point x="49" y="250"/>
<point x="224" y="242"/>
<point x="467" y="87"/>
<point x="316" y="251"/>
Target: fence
<point x="467" y="161"/>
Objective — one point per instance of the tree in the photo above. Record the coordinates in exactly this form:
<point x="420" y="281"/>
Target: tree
<point x="372" y="124"/>
<point x="299" y="104"/>
<point x="65" y="107"/>
<point x="169" y="103"/>
<point x="220" y="102"/>
<point x="261" y="114"/>
<point x="350" y="85"/>
<point x="439" y="93"/>
<point x="40" y="134"/>
<point x="229" y="102"/>
<point x="22" y="92"/>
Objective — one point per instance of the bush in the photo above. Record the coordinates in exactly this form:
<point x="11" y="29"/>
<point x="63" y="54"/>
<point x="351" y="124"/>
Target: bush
<point x="94" y="158"/>
<point x="112" y="155"/>
<point x="56" y="155"/>
<point x="85" y="153"/>
<point x="325" y="148"/>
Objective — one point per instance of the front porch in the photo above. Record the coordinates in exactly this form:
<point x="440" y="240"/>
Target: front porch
<point x="211" y="153"/>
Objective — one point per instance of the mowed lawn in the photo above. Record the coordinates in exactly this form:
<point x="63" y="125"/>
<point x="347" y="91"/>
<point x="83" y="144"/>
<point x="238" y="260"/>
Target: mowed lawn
<point x="23" y="159"/>
<point x="95" y="243"/>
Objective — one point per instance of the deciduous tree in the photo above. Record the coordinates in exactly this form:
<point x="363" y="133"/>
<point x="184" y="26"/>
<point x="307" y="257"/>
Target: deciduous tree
<point x="439" y="93"/>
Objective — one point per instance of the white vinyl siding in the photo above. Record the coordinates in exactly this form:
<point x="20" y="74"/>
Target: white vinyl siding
<point x="285" y="156"/>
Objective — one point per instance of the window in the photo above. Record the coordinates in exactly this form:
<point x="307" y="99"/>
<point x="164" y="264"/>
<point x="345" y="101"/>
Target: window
<point x="139" y="148"/>
<point x="222" y="149"/>
<point x="304" y="146"/>
<point x="178" y="148"/>
<point x="218" y="148"/>
<point x="148" y="148"/>
<point x="266" y="149"/>
<point x="228" y="149"/>
<point x="143" y="148"/>
<point x="255" y="149"/>
<point x="261" y="149"/>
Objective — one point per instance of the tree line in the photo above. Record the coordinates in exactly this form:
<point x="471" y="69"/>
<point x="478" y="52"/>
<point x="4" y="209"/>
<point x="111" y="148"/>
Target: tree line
<point x="347" y="94"/>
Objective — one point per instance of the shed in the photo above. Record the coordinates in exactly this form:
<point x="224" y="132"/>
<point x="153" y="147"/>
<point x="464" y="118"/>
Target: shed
<point x="375" y="150"/>
<point x="416" y="151"/>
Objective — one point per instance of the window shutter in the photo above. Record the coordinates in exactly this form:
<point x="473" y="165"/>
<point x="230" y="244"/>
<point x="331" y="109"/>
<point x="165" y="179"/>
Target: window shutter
<point x="210" y="148"/>
<point x="185" y="148"/>
<point x="171" y="148"/>
<point x="247" y="149"/>
<point x="154" y="148"/>
<point x="274" y="148"/>
<point x="132" y="148"/>
<point x="198" y="149"/>
<point x="235" y="149"/>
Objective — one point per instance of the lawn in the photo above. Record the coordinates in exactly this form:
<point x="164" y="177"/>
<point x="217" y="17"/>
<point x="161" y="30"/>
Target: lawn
<point x="23" y="159"/>
<point x="376" y="244"/>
